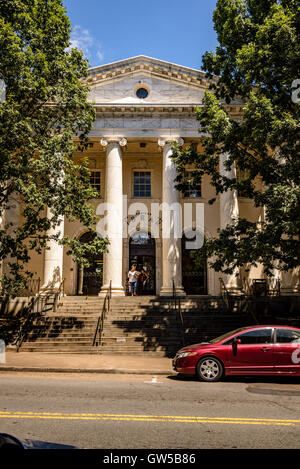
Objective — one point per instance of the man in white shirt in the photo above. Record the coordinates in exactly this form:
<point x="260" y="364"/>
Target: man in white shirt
<point x="133" y="275"/>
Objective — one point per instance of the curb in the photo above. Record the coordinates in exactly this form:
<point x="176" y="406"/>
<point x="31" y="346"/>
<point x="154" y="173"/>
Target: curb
<point x="120" y="371"/>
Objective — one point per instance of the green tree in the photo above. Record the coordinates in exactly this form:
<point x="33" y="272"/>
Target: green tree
<point x="45" y="106"/>
<point x="257" y="61"/>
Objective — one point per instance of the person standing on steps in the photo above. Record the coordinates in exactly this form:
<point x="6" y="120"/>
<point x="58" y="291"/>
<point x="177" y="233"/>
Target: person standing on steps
<point x="133" y="275"/>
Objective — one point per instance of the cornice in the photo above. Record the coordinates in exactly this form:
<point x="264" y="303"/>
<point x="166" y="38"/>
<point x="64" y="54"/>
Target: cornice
<point x="159" y="109"/>
<point x="149" y="66"/>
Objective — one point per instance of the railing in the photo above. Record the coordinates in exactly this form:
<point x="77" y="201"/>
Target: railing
<point x="224" y="293"/>
<point x="270" y="286"/>
<point x="31" y="288"/>
<point x="101" y="319"/>
<point x="58" y="294"/>
<point x="178" y="312"/>
<point x="38" y="306"/>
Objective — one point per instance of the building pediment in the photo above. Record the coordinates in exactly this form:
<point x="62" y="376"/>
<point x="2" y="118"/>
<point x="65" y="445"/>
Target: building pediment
<point x="165" y="82"/>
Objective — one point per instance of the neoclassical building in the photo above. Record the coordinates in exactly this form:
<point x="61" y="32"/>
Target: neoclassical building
<point x="142" y="106"/>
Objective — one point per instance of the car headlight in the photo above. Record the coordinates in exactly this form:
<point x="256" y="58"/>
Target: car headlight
<point x="186" y="354"/>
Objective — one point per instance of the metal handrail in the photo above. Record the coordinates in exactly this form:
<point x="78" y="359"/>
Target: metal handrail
<point x="224" y="292"/>
<point x="58" y="294"/>
<point x="177" y="303"/>
<point x="101" y="319"/>
<point x="31" y="287"/>
<point x="36" y="307"/>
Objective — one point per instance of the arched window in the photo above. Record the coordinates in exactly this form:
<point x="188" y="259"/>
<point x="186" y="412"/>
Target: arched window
<point x="89" y="279"/>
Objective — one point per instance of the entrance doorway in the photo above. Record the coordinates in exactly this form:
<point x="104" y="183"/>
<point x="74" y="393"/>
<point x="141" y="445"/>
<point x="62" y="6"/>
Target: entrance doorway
<point x="194" y="266"/>
<point x="89" y="279"/>
<point x="142" y="256"/>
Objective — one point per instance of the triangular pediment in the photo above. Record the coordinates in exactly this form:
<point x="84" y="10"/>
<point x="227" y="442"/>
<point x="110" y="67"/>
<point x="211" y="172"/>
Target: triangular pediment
<point x="166" y="83"/>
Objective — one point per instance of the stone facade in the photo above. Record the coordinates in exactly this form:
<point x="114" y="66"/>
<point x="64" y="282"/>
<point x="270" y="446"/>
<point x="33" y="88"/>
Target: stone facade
<point x="133" y="135"/>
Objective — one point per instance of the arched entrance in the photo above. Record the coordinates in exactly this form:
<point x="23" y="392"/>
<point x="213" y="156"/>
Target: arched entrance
<point x="89" y="279"/>
<point x="194" y="265"/>
<point x="142" y="256"/>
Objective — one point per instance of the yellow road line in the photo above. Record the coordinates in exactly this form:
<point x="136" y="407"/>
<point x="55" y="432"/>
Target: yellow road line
<point x="84" y="414"/>
<point x="147" y="418"/>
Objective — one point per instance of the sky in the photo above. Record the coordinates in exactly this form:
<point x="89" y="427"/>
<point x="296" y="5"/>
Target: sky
<point x="177" y="31"/>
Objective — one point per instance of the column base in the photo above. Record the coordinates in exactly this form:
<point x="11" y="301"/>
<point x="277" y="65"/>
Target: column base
<point x="168" y="291"/>
<point x="231" y="281"/>
<point x="116" y="290"/>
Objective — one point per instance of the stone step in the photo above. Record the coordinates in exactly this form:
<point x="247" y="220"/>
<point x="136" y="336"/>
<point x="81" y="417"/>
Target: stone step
<point x="141" y="337"/>
<point x="54" y="340"/>
<point x="65" y="342"/>
<point x="138" y="332"/>
<point x="68" y="316"/>
<point x="81" y="299"/>
<point x="79" y="350"/>
<point x="56" y="329"/>
<point x="128" y="349"/>
<point x="143" y="330"/>
<point x="142" y="344"/>
<point x="78" y="309"/>
<point x="83" y="304"/>
<point x="61" y="335"/>
<point x="65" y="321"/>
<point x="140" y="316"/>
<point x="137" y="353"/>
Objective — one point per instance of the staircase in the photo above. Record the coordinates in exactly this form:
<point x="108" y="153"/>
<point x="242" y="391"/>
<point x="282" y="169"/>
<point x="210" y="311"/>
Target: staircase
<point x="133" y="326"/>
<point x="136" y="325"/>
<point x="71" y="329"/>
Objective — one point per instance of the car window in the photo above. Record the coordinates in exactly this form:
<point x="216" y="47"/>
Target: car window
<point x="222" y="337"/>
<point x="258" y="336"/>
<point x="287" y="336"/>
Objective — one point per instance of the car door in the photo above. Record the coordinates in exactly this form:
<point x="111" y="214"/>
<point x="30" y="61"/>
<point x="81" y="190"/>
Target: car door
<point x="287" y="351"/>
<point x="254" y="354"/>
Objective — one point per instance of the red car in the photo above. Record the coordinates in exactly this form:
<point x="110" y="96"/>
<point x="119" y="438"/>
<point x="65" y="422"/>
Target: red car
<point x="255" y="350"/>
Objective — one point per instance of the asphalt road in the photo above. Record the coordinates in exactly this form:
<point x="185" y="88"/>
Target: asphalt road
<point x="105" y="411"/>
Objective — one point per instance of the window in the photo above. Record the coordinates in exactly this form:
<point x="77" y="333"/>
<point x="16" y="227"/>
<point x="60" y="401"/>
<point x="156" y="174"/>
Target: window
<point x="95" y="180"/>
<point x="142" y="184"/>
<point x="258" y="336"/>
<point x="242" y="176"/>
<point x="193" y="190"/>
<point x="142" y="93"/>
<point x="287" y="336"/>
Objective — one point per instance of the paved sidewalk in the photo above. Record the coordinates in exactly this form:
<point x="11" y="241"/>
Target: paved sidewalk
<point x="84" y="363"/>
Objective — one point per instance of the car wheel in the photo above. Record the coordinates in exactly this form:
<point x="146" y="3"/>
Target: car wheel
<point x="210" y="369"/>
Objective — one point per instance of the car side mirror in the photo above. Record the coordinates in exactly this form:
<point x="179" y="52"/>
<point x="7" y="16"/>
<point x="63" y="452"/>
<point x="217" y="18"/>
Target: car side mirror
<point x="235" y="344"/>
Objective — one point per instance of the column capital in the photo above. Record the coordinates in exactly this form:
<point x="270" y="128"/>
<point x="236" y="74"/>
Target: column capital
<point x="162" y="141"/>
<point x="105" y="141"/>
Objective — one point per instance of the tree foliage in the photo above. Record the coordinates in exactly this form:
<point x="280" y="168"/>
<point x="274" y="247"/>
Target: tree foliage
<point x="45" y="106"/>
<point x="257" y="61"/>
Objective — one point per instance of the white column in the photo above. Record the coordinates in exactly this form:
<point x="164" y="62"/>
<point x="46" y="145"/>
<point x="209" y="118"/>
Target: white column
<point x="53" y="260"/>
<point x="277" y="274"/>
<point x="171" y="245"/>
<point x="113" y="259"/>
<point x="229" y="211"/>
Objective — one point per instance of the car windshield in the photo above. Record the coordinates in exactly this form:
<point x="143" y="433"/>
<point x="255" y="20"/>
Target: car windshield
<point x="224" y="336"/>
